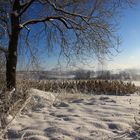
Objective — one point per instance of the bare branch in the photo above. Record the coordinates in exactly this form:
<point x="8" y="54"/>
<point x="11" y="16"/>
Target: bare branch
<point x="10" y="1"/>
<point x="25" y="6"/>
<point x="3" y="49"/>
<point x="6" y="28"/>
<point x="62" y="19"/>
<point x="95" y="5"/>
<point x="66" y="12"/>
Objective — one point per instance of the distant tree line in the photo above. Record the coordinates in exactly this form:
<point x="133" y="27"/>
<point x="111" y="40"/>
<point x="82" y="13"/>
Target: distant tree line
<point x="79" y="74"/>
<point x="107" y="75"/>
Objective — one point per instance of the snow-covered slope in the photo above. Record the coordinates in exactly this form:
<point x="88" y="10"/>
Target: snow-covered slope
<point x="86" y="117"/>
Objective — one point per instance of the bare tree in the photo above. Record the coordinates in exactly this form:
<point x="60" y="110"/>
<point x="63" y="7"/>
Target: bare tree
<point x="79" y="27"/>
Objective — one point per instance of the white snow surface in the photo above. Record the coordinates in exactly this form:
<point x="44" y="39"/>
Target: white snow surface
<point x="87" y="117"/>
<point x="39" y="94"/>
<point x="137" y="83"/>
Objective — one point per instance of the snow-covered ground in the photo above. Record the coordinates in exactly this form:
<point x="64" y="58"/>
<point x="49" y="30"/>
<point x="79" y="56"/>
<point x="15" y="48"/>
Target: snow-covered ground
<point x="77" y="117"/>
<point x="137" y="83"/>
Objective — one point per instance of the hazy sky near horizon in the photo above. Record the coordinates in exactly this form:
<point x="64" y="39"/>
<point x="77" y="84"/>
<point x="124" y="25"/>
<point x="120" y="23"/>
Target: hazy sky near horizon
<point x="129" y="31"/>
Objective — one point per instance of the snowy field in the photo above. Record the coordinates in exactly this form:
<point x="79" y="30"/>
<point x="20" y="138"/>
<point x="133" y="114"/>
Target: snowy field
<point x="137" y="83"/>
<point x="77" y="117"/>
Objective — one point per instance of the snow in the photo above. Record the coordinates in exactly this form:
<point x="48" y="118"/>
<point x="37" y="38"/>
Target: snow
<point x="78" y="117"/>
<point x="38" y="94"/>
<point x="137" y="83"/>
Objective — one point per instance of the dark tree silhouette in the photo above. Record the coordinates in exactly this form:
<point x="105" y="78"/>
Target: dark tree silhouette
<point x="80" y="27"/>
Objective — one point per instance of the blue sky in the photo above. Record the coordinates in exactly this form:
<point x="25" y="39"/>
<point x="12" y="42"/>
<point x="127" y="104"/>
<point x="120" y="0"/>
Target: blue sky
<point x="129" y="56"/>
<point x="130" y="47"/>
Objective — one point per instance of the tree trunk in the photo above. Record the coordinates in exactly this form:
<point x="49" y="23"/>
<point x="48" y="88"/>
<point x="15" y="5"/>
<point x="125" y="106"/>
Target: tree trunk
<point x="11" y="61"/>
